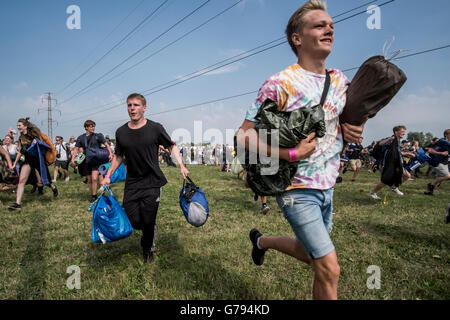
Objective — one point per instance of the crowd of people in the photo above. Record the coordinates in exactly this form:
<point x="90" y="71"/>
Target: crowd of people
<point x="307" y="203"/>
<point x="413" y="160"/>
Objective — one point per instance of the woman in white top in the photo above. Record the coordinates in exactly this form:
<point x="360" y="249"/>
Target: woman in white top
<point x="13" y="150"/>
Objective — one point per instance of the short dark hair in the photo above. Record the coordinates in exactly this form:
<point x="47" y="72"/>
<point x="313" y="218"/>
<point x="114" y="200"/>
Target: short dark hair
<point x="88" y="123"/>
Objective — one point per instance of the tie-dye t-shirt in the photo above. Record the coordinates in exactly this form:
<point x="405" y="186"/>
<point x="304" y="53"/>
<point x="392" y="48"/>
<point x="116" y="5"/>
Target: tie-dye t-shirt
<point x="295" y="88"/>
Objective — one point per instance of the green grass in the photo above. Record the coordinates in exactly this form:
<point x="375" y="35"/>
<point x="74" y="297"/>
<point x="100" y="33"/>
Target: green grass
<point x="405" y="236"/>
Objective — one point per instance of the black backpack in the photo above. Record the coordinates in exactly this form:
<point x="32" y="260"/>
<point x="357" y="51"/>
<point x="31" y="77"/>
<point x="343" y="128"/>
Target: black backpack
<point x="377" y="152"/>
<point x="393" y="166"/>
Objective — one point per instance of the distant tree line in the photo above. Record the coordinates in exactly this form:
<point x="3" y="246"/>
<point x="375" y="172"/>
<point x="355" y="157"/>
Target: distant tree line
<point x="423" y="138"/>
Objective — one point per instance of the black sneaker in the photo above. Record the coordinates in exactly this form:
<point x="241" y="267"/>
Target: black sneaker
<point x="255" y="197"/>
<point x="338" y="179"/>
<point x="40" y="190"/>
<point x="85" y="181"/>
<point x="93" y="198"/>
<point x="345" y="170"/>
<point x="15" y="206"/>
<point x="148" y="256"/>
<point x="257" y="254"/>
<point x="33" y="190"/>
<point x="430" y="190"/>
<point x="55" y="191"/>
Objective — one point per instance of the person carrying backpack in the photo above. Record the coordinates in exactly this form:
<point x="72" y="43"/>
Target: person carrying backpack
<point x="439" y="160"/>
<point x="307" y="203"/>
<point x="85" y="141"/>
<point x="393" y="173"/>
<point x="34" y="168"/>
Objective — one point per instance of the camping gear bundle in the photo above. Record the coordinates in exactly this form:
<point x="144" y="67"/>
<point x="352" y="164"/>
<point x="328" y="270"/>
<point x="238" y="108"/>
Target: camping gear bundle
<point x="374" y="85"/>
<point x="193" y="203"/>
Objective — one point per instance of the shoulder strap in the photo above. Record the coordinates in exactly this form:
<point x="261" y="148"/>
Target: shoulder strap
<point x="90" y="141"/>
<point x="326" y="87"/>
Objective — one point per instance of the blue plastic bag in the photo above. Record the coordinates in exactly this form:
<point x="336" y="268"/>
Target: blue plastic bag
<point x="422" y="156"/>
<point x="109" y="220"/>
<point x="194" y="204"/>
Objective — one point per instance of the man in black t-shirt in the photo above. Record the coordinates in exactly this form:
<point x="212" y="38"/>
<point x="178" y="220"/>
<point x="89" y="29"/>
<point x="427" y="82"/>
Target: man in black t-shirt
<point x="86" y="140"/>
<point x="138" y="142"/>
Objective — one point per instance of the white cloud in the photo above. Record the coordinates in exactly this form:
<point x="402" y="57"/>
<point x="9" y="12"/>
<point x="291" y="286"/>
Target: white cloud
<point x="13" y="109"/>
<point x="226" y="69"/>
<point x="21" y="85"/>
<point x="218" y="119"/>
<point x="427" y="110"/>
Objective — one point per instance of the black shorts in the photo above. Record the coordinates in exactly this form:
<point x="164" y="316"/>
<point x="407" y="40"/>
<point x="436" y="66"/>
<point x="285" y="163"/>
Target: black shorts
<point x="62" y="164"/>
<point x="89" y="168"/>
<point x="141" y="206"/>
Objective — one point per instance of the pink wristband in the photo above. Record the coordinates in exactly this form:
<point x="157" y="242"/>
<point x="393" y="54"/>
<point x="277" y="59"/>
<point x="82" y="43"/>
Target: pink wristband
<point x="292" y="155"/>
<point x="107" y="176"/>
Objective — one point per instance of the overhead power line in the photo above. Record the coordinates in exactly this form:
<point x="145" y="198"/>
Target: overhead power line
<point x="356" y="8"/>
<point x="197" y="104"/>
<point x="213" y="67"/>
<point x="196" y="73"/>
<point x="101" y="42"/>
<point x="407" y="55"/>
<point x="165" y="47"/>
<point x="114" y="47"/>
<point x="138" y="51"/>
<point x="255" y="91"/>
<point x="181" y="81"/>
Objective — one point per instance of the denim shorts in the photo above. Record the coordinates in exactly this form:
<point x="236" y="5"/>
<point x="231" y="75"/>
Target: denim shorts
<point x="310" y="213"/>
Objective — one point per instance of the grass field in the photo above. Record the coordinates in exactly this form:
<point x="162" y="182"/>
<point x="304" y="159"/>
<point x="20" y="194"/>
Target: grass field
<point x="406" y="237"/>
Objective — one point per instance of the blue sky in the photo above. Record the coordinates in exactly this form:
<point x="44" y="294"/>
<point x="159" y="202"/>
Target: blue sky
<point x="40" y="54"/>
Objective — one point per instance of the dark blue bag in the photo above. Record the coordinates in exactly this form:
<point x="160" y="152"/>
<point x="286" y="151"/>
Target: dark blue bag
<point x="109" y="220"/>
<point x="95" y="155"/>
<point x="193" y="203"/>
<point x="37" y="150"/>
<point x="440" y="146"/>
